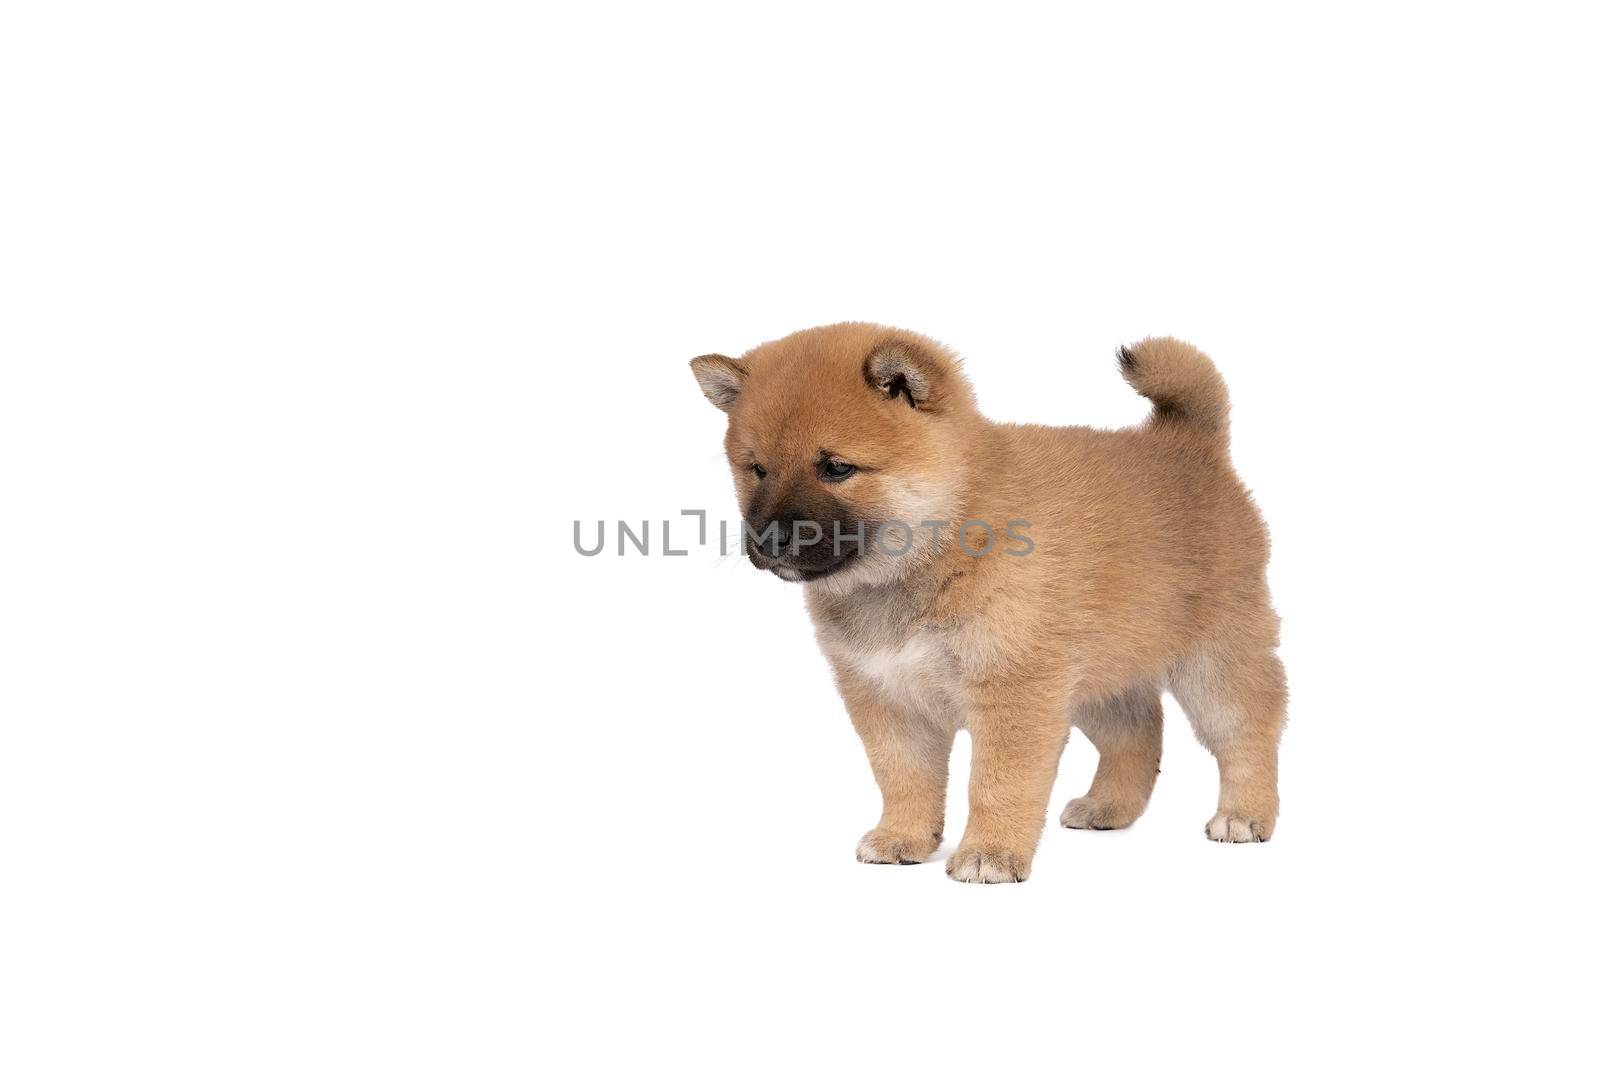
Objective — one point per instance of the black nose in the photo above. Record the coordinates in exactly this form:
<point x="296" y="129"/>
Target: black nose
<point x="773" y="535"/>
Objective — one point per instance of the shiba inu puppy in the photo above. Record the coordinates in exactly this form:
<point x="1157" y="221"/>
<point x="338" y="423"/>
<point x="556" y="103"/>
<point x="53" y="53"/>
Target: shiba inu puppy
<point x="1012" y="580"/>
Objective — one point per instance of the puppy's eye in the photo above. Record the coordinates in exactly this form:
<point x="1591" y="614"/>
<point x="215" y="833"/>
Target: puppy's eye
<point x="835" y="471"/>
<point x="760" y="471"/>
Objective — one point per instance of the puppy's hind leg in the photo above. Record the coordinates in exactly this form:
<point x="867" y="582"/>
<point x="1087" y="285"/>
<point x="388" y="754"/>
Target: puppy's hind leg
<point x="1235" y="699"/>
<point x="1126" y="731"/>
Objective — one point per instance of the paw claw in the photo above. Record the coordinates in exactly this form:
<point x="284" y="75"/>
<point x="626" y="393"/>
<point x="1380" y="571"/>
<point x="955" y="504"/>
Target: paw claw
<point x="1087" y="813"/>
<point x="1237" y="829"/>
<point x="889" y="847"/>
<point x="980" y="866"/>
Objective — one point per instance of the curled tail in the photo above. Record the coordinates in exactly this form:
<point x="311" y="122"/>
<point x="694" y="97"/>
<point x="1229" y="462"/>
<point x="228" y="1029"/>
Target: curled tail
<point x="1182" y="383"/>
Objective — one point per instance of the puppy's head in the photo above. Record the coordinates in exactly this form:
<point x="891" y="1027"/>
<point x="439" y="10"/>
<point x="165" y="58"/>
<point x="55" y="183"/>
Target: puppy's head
<point x="843" y="441"/>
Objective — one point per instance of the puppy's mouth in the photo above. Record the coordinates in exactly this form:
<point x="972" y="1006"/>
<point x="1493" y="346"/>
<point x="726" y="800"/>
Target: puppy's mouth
<point x="791" y="569"/>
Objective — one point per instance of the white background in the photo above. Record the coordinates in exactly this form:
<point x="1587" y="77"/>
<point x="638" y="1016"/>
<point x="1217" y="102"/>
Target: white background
<point x="323" y="322"/>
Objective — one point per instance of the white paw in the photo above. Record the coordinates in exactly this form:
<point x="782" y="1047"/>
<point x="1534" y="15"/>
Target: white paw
<point x="886" y="846"/>
<point x="1236" y="829"/>
<point x="1087" y="813"/>
<point x="976" y="865"/>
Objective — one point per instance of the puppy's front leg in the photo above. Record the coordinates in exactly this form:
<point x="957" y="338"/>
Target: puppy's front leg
<point x="1016" y="748"/>
<point x="909" y="749"/>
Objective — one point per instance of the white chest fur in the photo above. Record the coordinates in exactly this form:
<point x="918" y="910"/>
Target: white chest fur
<point x="918" y="673"/>
<point x="900" y="668"/>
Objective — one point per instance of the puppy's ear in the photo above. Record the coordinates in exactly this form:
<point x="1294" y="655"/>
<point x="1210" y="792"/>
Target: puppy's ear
<point x="909" y="374"/>
<point x="720" y="379"/>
